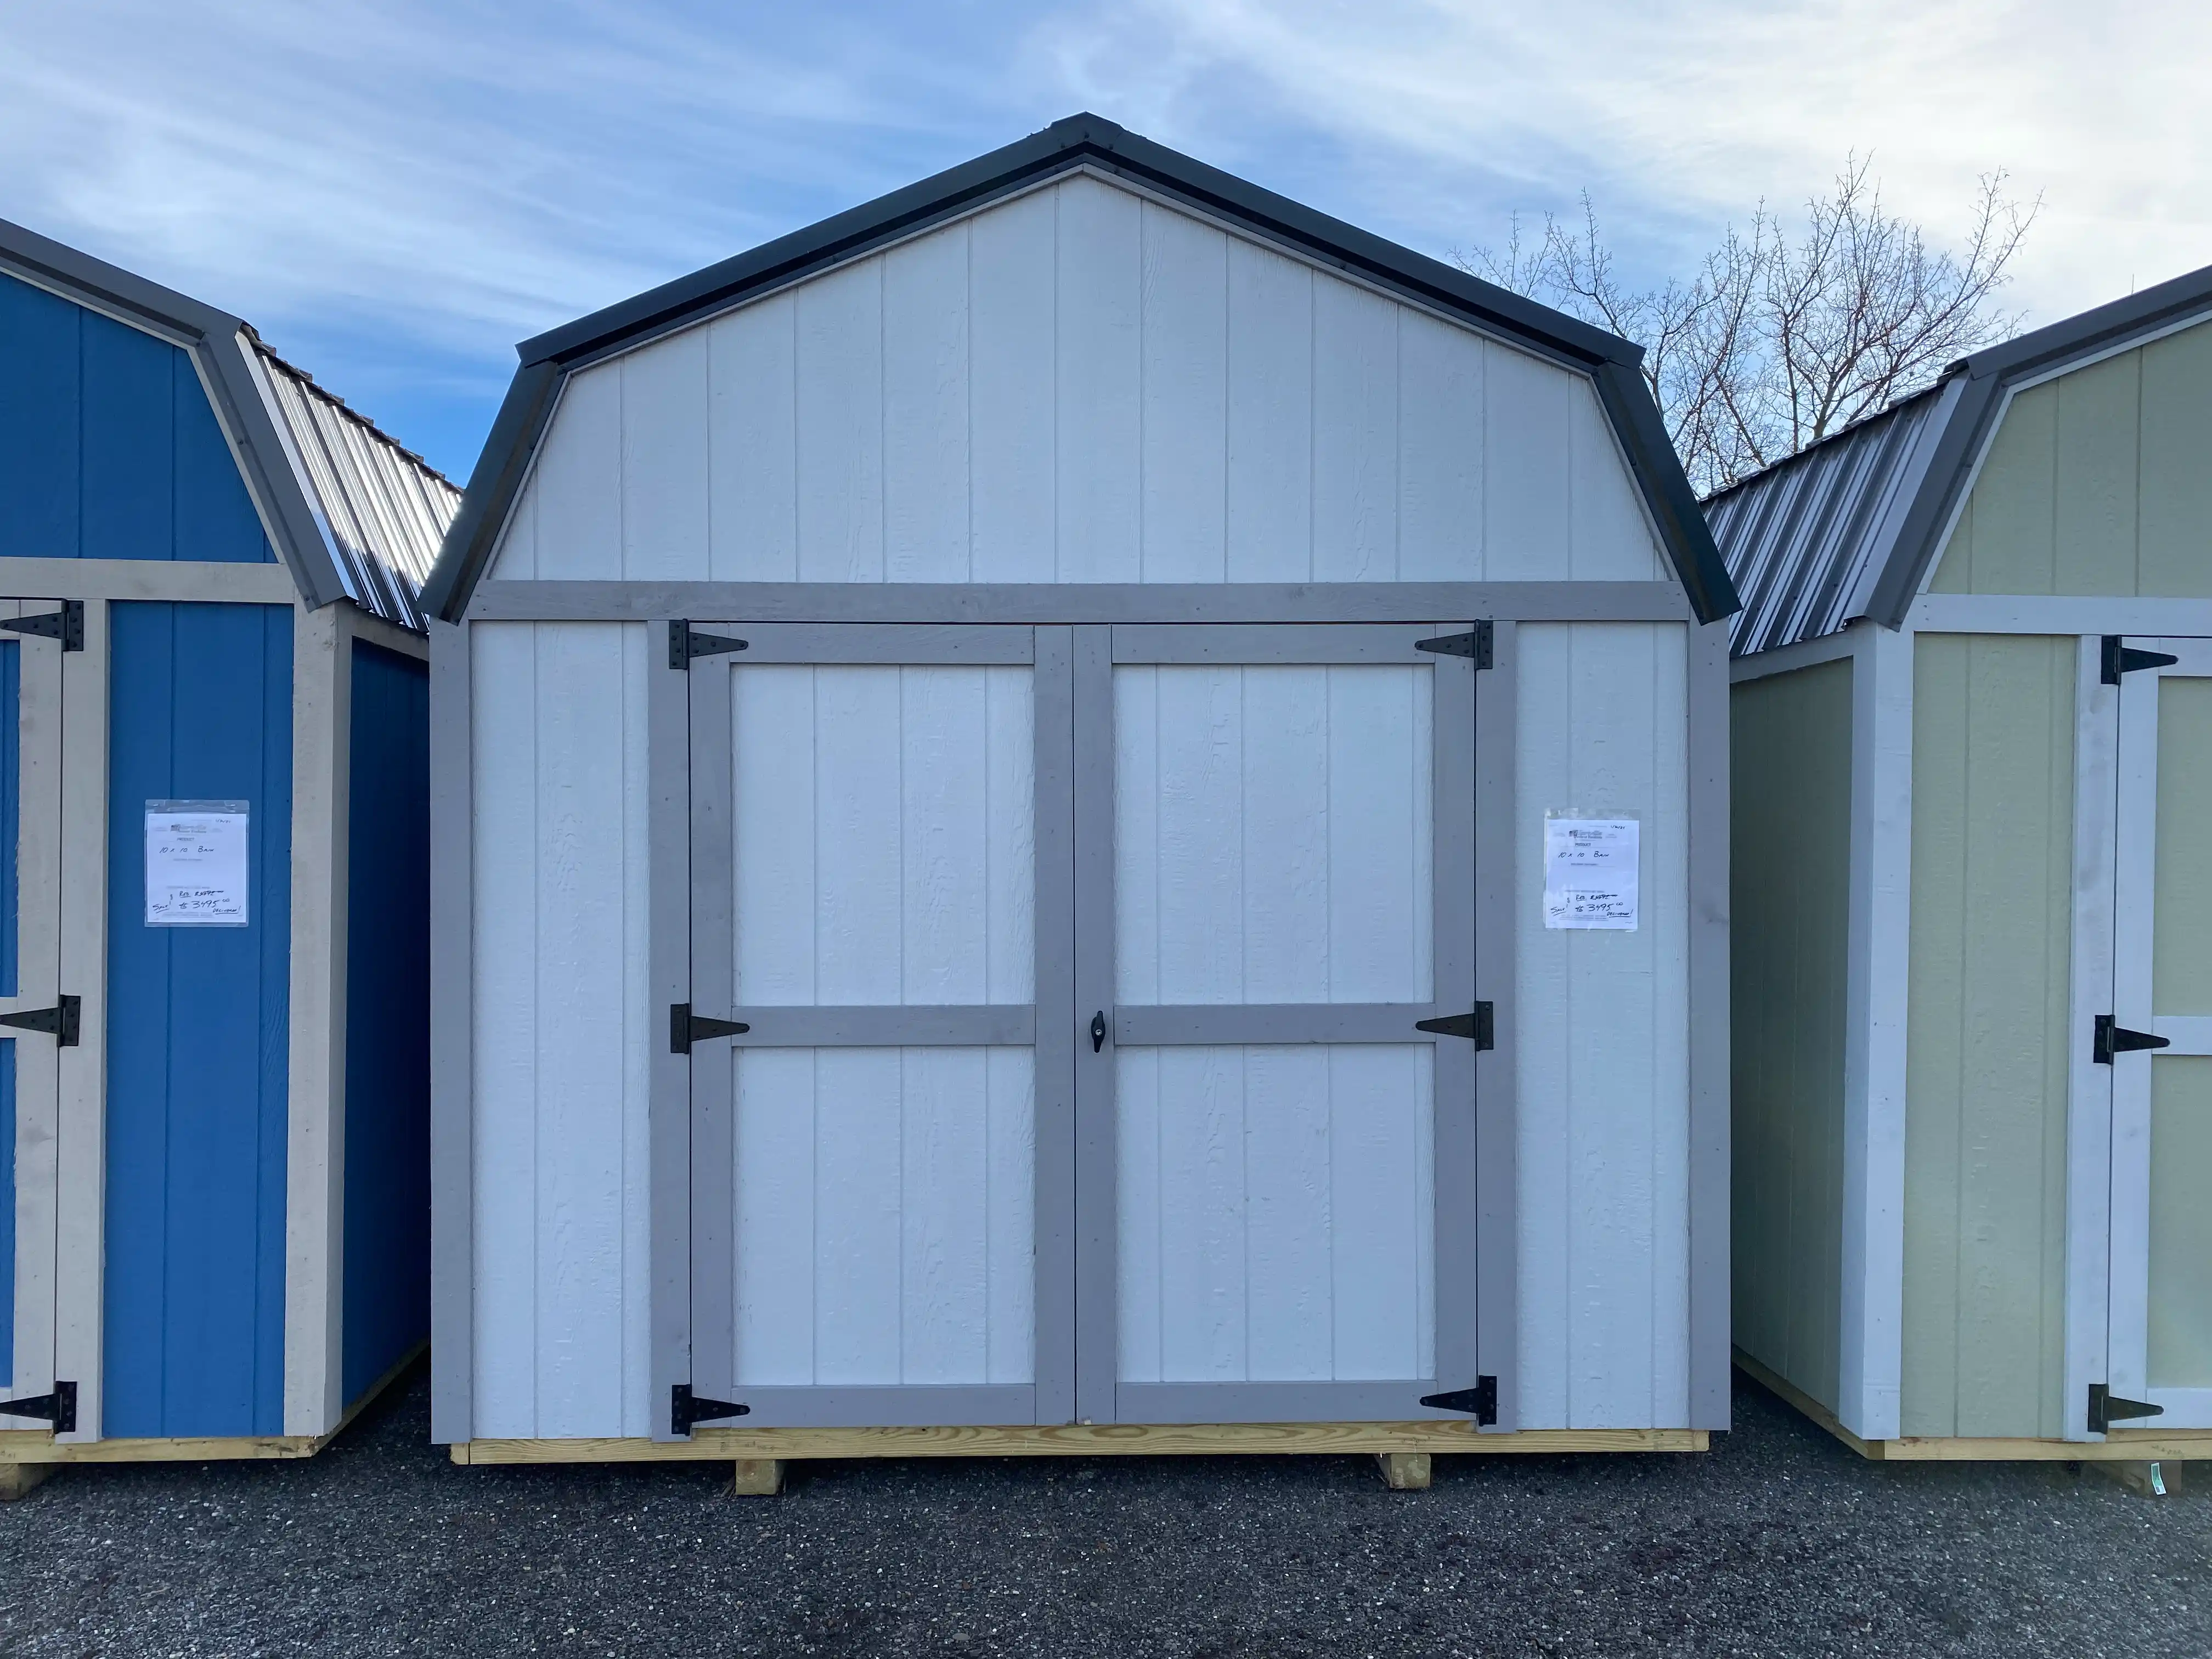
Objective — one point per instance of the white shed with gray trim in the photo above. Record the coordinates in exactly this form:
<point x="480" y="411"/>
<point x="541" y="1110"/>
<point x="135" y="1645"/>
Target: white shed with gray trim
<point x="991" y="768"/>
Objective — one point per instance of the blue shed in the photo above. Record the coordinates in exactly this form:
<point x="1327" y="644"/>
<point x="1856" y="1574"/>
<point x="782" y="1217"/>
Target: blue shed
<point x="213" y="804"/>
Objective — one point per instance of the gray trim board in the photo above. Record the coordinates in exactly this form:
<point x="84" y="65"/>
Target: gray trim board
<point x="1054" y="1209"/>
<point x="900" y="1406"/>
<point x="1497" y="967"/>
<point x="1272" y="643"/>
<point x="1710" y="1291"/>
<point x="1229" y="1024"/>
<point x="912" y="642"/>
<point x="948" y="1025"/>
<point x="1080" y="142"/>
<point x="1455" y="1223"/>
<point x="452" y="1253"/>
<point x="1097" y="1238"/>
<point x="743" y="605"/>
<point x="672" y="1078"/>
<point x="708" y="866"/>
<point x="1360" y="1400"/>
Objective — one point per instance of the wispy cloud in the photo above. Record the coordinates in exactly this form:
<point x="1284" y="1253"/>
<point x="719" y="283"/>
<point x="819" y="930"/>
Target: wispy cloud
<point x="397" y="190"/>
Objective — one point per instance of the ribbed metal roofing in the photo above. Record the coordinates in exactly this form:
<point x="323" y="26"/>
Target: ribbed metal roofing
<point x="1806" y="539"/>
<point x="385" y="510"/>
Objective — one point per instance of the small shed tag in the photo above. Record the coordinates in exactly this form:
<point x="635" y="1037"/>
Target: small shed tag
<point x="1589" y="873"/>
<point x="196" y="863"/>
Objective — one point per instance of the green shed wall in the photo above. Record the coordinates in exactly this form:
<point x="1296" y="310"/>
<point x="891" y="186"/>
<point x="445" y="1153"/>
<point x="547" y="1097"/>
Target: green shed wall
<point x="1790" y="919"/>
<point x="1986" y="1067"/>
<point x="2097" y="482"/>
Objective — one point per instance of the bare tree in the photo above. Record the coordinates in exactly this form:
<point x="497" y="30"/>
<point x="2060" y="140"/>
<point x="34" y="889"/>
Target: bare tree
<point x="1781" y="339"/>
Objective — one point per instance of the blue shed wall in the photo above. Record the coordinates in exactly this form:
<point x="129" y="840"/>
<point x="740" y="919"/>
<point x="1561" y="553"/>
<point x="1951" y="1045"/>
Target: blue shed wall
<point x="109" y="448"/>
<point x="387" y="1099"/>
<point x="198" y="1033"/>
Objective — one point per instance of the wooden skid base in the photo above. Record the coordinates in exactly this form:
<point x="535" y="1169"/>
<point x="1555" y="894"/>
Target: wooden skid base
<point x="2120" y="1446"/>
<point x="38" y="1445"/>
<point x="1078" y="1440"/>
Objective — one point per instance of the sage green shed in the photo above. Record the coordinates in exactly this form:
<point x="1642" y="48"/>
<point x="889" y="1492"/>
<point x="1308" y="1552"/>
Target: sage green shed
<point x="1972" y="903"/>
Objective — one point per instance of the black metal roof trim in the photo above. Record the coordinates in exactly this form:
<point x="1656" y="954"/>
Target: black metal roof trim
<point x="1077" y="140"/>
<point x="218" y="341"/>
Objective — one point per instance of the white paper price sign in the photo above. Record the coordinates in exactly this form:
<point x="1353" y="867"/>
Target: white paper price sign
<point x="196" y="864"/>
<point x="1589" y="873"/>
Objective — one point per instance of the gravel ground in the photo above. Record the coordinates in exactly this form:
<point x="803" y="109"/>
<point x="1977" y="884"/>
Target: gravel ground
<point x="1780" y="1542"/>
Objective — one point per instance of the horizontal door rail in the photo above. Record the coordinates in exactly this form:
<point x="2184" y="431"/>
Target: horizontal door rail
<point x="1228" y="1024"/>
<point x="1272" y="643"/>
<point x="921" y="645"/>
<point x="886" y="1406"/>
<point x="945" y="1025"/>
<point x="2189" y="1034"/>
<point x="1317" y="1401"/>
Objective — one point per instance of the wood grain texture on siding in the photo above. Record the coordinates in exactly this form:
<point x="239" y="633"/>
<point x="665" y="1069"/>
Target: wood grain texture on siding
<point x="2096" y="483"/>
<point x="560" y="1029"/>
<point x="1079" y="385"/>
<point x="1986" y="1069"/>
<point x="1602" y="1025"/>
<point x="1790" y="919"/>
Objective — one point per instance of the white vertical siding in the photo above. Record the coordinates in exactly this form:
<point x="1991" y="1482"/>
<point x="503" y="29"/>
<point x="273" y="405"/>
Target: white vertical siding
<point x="560" y="1028"/>
<point x="1603" y="1024"/>
<point x="1079" y="386"/>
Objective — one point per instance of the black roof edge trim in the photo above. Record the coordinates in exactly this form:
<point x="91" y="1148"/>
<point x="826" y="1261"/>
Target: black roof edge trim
<point x="216" y="340"/>
<point x="547" y="358"/>
<point x="1673" y="506"/>
<point x="491" y="489"/>
<point x="1988" y="375"/>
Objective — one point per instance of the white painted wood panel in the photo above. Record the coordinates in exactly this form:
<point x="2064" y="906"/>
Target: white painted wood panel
<point x="885" y="835"/>
<point x="1080" y="384"/>
<point x="560" y="1028"/>
<point x="1603" y="1021"/>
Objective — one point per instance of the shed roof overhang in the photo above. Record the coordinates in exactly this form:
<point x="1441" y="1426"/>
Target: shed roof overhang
<point x="1080" y="141"/>
<point x="221" y="346"/>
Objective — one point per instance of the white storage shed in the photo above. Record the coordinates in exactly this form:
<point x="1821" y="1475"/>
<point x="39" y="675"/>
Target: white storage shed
<point x="993" y="766"/>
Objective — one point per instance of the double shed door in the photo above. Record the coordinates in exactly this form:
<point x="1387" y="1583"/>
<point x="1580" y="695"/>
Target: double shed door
<point x="2160" y="1306"/>
<point x="1082" y="975"/>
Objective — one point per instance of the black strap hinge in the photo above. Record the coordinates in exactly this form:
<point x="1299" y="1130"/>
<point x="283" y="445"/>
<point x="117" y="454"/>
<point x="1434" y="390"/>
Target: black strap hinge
<point x="2112" y="1038"/>
<point x="686" y="1028"/>
<point x="59" y="1022"/>
<point x="2126" y="659"/>
<point x="1479" y="1402"/>
<point x="686" y="645"/>
<point x="2106" y="1408"/>
<point x="686" y="1409"/>
<point x="66" y="624"/>
<point x="58" y="1408"/>
<point x="1479" y="1028"/>
<point x="1475" y="645"/>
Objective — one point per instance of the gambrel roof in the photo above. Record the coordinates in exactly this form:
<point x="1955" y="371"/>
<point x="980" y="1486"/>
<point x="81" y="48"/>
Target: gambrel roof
<point x="1081" y="141"/>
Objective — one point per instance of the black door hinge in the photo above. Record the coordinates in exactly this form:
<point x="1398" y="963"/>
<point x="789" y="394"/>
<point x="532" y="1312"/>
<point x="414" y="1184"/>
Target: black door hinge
<point x="686" y="1028"/>
<point x="59" y="1022"/>
<point x="58" y="1408"/>
<point x="1479" y="1028"/>
<point x="1479" y="1402"/>
<point x="2106" y="1408"/>
<point x="2126" y="659"/>
<point x="1475" y="645"/>
<point x="686" y="1409"/>
<point x="686" y="645"/>
<point x="66" y="624"/>
<point x="2115" y="1039"/>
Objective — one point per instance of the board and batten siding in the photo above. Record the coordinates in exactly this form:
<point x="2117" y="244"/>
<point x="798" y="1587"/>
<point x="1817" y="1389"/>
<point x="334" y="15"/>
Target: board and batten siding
<point x="2097" y="482"/>
<point x="1993" y="722"/>
<point x="1789" y="921"/>
<point x="1079" y="386"/>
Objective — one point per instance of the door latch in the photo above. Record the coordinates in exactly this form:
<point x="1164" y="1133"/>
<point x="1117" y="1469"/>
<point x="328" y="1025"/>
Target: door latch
<point x="1098" y="1031"/>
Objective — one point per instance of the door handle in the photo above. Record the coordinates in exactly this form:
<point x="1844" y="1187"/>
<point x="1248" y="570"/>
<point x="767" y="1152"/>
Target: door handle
<point x="1098" y="1031"/>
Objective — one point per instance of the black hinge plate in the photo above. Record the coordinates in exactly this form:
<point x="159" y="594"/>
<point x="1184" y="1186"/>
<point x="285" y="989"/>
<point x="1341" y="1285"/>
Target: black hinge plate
<point x="1475" y="645"/>
<point x="60" y="1022"/>
<point x="2126" y="659"/>
<point x="58" y="1408"/>
<point x="2115" y="1039"/>
<point x="686" y="1028"/>
<point x="1479" y="1402"/>
<point x="2106" y="1408"/>
<point x="66" y="624"/>
<point x="686" y="1409"/>
<point x="686" y="645"/>
<point x="1479" y="1028"/>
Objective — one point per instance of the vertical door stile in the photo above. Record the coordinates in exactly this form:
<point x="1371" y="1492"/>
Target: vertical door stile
<point x="670" y="698"/>
<point x="2090" y="1096"/>
<point x="1457" y="1212"/>
<point x="1097" y="1333"/>
<point x="2135" y="849"/>
<point x="1496" y="1242"/>
<point x="1056" y="1025"/>
<point x="713" y="992"/>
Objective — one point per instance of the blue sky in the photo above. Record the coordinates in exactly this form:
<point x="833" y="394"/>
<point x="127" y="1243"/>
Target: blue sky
<point x="394" y="193"/>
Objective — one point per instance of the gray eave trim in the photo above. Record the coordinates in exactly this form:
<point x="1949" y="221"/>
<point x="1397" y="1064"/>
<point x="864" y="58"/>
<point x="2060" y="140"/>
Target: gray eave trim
<point x="1082" y="140"/>
<point x="218" y="343"/>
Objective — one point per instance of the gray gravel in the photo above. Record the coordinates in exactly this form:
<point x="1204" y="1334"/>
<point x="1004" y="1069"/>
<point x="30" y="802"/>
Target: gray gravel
<point x="1780" y="1542"/>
